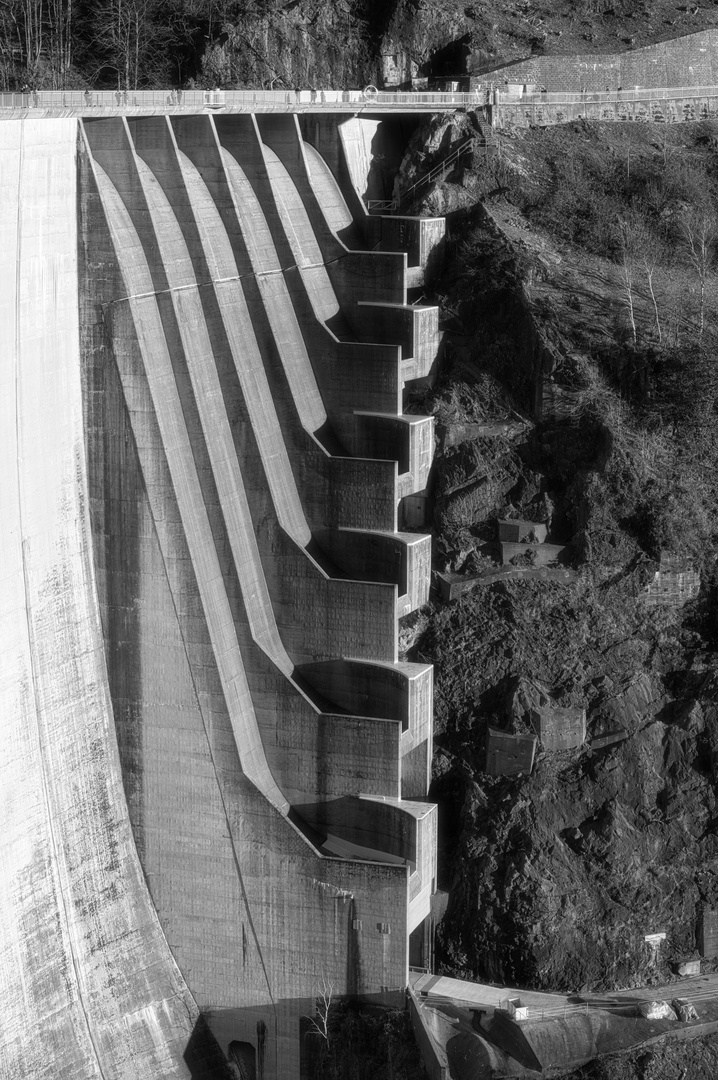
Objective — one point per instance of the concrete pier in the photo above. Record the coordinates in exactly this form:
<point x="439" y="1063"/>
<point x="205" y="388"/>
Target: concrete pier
<point x="213" y="788"/>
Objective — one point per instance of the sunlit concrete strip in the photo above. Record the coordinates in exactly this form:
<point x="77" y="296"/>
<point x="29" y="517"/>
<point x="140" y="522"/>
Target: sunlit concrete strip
<point x="440" y="987"/>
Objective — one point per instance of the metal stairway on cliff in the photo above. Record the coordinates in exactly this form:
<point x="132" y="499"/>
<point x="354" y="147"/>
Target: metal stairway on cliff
<point x="486" y="139"/>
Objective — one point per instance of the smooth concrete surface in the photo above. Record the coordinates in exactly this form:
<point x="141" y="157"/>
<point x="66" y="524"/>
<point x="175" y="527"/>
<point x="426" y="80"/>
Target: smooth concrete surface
<point x="88" y="984"/>
<point x="414" y="327"/>
<point x="441" y="987"/>
<point x="420" y="237"/>
<point x="508" y="754"/>
<point x="357" y="136"/>
<point x="206" y="610"/>
<point x="559" y="729"/>
<point x="331" y="199"/>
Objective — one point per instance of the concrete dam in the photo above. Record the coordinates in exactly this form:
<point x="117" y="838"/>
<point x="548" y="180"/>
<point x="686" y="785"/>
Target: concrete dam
<point x="215" y="766"/>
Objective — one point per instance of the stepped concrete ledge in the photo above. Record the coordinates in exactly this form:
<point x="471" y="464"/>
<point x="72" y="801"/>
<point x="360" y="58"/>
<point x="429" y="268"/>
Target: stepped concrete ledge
<point x="213" y="792"/>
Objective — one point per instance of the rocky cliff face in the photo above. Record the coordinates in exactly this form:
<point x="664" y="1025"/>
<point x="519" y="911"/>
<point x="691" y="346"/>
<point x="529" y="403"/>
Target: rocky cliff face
<point x="347" y="44"/>
<point x="390" y="42"/>
<point x="557" y="876"/>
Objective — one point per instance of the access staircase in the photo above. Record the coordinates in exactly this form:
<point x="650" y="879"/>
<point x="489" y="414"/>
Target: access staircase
<point x="486" y="139"/>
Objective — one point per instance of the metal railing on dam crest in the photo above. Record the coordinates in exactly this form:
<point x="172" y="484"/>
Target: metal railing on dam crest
<point x="498" y="105"/>
<point x="96" y="101"/>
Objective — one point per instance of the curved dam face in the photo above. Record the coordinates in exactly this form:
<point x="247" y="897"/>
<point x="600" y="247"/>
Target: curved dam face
<point x="214" y="766"/>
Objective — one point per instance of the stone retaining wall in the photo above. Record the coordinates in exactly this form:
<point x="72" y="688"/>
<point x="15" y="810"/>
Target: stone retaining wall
<point x="539" y="110"/>
<point x="691" y="60"/>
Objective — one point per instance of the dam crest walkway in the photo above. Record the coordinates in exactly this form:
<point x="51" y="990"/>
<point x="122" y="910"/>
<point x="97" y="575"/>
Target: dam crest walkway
<point x="141" y="102"/>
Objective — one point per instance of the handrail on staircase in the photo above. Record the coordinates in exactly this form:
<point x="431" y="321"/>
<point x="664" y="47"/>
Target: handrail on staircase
<point x="441" y="167"/>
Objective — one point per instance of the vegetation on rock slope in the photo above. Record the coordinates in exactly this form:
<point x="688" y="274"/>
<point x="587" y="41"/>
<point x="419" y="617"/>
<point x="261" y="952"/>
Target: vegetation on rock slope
<point x="572" y="265"/>
<point x="126" y="44"/>
<point x="557" y="877"/>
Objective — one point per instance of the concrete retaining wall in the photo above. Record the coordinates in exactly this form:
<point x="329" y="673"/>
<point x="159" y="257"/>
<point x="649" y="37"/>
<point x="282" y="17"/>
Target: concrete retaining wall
<point x="691" y="60"/>
<point x="708" y="933"/>
<point x="559" y="729"/>
<point x="660" y="107"/>
<point x="509" y="755"/>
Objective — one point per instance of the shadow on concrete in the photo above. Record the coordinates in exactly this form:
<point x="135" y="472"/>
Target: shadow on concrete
<point x="388" y="146"/>
<point x="203" y="1056"/>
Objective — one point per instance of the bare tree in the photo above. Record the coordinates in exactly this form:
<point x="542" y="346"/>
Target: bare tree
<point x="36" y="38"/>
<point x="627" y="245"/>
<point x="699" y="231"/>
<point x="130" y="41"/>
<point x="11" y="48"/>
<point x="649" y="257"/>
<point x="59" y="16"/>
<point x="21" y="27"/>
<point x="32" y="24"/>
<point x="323" y="1003"/>
<point x="641" y="254"/>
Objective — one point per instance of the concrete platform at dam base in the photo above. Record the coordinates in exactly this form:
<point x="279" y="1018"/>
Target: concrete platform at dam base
<point x="475" y="1029"/>
<point x="215" y="770"/>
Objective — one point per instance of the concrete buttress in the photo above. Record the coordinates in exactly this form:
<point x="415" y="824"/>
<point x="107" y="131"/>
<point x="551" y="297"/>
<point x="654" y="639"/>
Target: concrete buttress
<point x="215" y="766"/>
